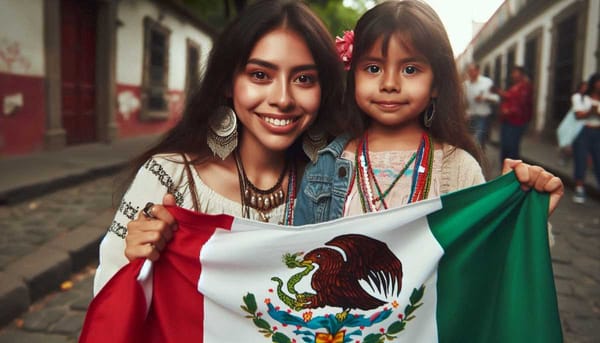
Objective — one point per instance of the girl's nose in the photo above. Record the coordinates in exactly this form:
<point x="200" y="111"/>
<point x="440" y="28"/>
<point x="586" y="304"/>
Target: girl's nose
<point x="390" y="82"/>
<point x="282" y="96"/>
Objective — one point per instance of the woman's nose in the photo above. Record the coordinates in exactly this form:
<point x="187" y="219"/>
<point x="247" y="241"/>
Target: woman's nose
<point x="282" y="96"/>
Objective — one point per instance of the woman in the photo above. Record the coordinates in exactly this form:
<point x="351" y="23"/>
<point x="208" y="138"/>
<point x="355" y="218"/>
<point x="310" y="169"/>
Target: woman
<point x="272" y="75"/>
<point x="587" y="142"/>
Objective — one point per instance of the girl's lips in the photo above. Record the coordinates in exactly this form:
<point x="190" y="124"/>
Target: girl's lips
<point x="389" y="105"/>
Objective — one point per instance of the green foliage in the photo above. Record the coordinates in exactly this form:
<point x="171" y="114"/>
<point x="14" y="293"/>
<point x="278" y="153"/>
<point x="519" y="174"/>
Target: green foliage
<point x="334" y="14"/>
<point x="337" y="17"/>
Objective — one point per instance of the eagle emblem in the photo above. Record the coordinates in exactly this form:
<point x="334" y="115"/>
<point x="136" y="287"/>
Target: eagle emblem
<point x="351" y="272"/>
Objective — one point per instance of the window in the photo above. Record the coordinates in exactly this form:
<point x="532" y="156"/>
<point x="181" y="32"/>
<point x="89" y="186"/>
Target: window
<point x="193" y="65"/>
<point x="498" y="71"/>
<point x="486" y="71"/>
<point x="510" y="63"/>
<point x="155" y="74"/>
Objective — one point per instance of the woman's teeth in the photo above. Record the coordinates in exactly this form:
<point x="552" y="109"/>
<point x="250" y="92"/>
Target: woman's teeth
<point x="278" y="122"/>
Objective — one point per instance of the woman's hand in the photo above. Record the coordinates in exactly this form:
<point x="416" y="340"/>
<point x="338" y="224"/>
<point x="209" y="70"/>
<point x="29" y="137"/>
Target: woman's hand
<point x="149" y="233"/>
<point x="537" y="178"/>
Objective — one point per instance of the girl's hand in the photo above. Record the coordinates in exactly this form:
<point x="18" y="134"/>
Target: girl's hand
<point x="537" y="178"/>
<point x="148" y="236"/>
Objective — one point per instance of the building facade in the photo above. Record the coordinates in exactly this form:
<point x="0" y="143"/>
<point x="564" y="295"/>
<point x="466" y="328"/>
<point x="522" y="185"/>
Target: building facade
<point x="557" y="41"/>
<point x="84" y="71"/>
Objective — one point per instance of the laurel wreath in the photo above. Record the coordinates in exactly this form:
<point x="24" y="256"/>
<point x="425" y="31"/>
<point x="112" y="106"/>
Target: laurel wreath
<point x="399" y="325"/>
<point x="389" y="334"/>
<point x="264" y="327"/>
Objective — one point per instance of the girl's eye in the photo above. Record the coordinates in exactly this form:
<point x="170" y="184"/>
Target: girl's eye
<point x="410" y="70"/>
<point x="373" y="69"/>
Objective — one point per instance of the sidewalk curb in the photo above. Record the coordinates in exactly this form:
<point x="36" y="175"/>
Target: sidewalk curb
<point x="22" y="193"/>
<point x="35" y="275"/>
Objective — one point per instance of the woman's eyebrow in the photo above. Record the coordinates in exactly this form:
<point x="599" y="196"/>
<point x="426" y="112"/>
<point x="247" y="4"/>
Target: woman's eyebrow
<point x="272" y="66"/>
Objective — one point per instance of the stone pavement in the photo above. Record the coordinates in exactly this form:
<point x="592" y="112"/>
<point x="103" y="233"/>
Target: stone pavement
<point x="50" y="238"/>
<point x="52" y="235"/>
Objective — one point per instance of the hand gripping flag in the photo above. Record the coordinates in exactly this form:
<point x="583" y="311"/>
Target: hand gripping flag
<point x="471" y="266"/>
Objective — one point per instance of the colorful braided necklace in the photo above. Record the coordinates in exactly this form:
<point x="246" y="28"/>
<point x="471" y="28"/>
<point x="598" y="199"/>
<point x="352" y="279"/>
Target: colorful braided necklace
<point x="421" y="176"/>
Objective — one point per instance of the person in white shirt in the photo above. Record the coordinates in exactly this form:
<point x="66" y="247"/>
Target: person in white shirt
<point x="577" y="103"/>
<point x="479" y="97"/>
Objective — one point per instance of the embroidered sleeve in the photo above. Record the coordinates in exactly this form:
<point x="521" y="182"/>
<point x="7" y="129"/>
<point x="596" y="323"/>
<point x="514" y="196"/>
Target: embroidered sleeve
<point x="157" y="177"/>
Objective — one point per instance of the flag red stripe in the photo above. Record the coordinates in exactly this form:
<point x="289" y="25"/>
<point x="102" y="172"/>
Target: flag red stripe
<point x="117" y="313"/>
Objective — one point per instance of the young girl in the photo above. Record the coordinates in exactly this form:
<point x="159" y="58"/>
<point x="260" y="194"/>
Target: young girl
<point x="406" y="139"/>
<point x="275" y="72"/>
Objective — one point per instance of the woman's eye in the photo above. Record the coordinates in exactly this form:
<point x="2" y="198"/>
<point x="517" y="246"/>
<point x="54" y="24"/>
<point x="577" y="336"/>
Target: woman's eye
<point x="373" y="69"/>
<point x="410" y="70"/>
<point x="259" y="75"/>
<point x="306" y="79"/>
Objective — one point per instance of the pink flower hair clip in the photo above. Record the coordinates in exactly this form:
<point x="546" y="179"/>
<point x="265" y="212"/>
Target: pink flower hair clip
<point x="344" y="46"/>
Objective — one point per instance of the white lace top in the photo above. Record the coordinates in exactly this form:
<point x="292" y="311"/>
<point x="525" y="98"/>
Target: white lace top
<point x="160" y="175"/>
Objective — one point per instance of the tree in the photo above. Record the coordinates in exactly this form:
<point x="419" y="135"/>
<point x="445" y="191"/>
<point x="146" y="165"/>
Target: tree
<point x="336" y="16"/>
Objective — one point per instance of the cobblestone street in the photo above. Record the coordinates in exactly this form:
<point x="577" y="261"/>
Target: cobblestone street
<point x="58" y="317"/>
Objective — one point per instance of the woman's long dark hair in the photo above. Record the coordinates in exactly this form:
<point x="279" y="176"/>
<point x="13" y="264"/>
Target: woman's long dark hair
<point x="230" y="54"/>
<point x="422" y="29"/>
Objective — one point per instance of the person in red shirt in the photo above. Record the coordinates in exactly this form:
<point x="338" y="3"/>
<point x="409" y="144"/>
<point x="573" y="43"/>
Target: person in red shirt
<point x="516" y="109"/>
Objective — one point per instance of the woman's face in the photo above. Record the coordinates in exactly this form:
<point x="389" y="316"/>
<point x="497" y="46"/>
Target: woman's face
<point x="277" y="93"/>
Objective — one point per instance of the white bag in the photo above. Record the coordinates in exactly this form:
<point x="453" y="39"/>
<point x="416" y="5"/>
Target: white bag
<point x="568" y="129"/>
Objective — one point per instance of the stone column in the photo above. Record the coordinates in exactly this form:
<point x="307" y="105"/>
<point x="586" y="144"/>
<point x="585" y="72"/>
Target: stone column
<point x="55" y="136"/>
<point x="105" y="71"/>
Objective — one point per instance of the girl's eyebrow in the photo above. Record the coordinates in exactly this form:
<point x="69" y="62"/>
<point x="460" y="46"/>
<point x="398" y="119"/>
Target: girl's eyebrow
<point x="272" y="66"/>
<point x="378" y="59"/>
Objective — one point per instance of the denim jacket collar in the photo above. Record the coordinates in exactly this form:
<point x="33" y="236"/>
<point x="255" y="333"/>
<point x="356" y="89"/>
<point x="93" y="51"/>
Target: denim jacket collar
<point x="336" y="147"/>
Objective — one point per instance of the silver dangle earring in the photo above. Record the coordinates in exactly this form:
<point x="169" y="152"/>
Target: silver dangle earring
<point x="222" y="134"/>
<point x="429" y="114"/>
<point x="313" y="141"/>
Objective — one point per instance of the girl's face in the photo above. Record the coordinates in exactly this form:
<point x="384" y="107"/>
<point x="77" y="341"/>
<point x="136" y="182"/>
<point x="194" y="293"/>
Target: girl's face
<point x="277" y="93"/>
<point x="394" y="89"/>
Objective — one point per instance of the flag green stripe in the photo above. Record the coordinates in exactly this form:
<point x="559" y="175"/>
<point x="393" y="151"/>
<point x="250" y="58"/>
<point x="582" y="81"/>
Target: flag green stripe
<point x="495" y="281"/>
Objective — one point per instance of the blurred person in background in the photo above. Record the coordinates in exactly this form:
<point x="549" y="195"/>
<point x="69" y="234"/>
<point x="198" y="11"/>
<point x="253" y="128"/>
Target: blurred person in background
<point x="516" y="110"/>
<point x="587" y="142"/>
<point x="480" y="98"/>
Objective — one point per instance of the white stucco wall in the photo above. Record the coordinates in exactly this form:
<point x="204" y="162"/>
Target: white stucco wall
<point x="592" y="48"/>
<point x="130" y="42"/>
<point x="22" y="37"/>
<point x="545" y="22"/>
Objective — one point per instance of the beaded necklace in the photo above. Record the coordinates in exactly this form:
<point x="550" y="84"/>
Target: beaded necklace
<point x="421" y="180"/>
<point x="263" y="201"/>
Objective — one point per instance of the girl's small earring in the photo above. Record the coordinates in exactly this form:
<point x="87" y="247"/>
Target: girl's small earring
<point x="222" y="134"/>
<point x="313" y="141"/>
<point x="429" y="114"/>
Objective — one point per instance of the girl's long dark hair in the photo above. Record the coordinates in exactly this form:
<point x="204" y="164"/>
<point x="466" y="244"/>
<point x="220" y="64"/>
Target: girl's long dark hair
<point x="230" y="54"/>
<point x="421" y="28"/>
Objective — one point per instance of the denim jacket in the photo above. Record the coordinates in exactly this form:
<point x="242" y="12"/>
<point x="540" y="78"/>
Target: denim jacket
<point x="324" y="186"/>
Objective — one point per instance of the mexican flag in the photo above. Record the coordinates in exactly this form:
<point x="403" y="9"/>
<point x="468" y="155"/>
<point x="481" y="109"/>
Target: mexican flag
<point x="471" y="266"/>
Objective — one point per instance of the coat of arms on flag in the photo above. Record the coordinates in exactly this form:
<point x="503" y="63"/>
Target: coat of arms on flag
<point x="471" y="266"/>
<point x="355" y="278"/>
